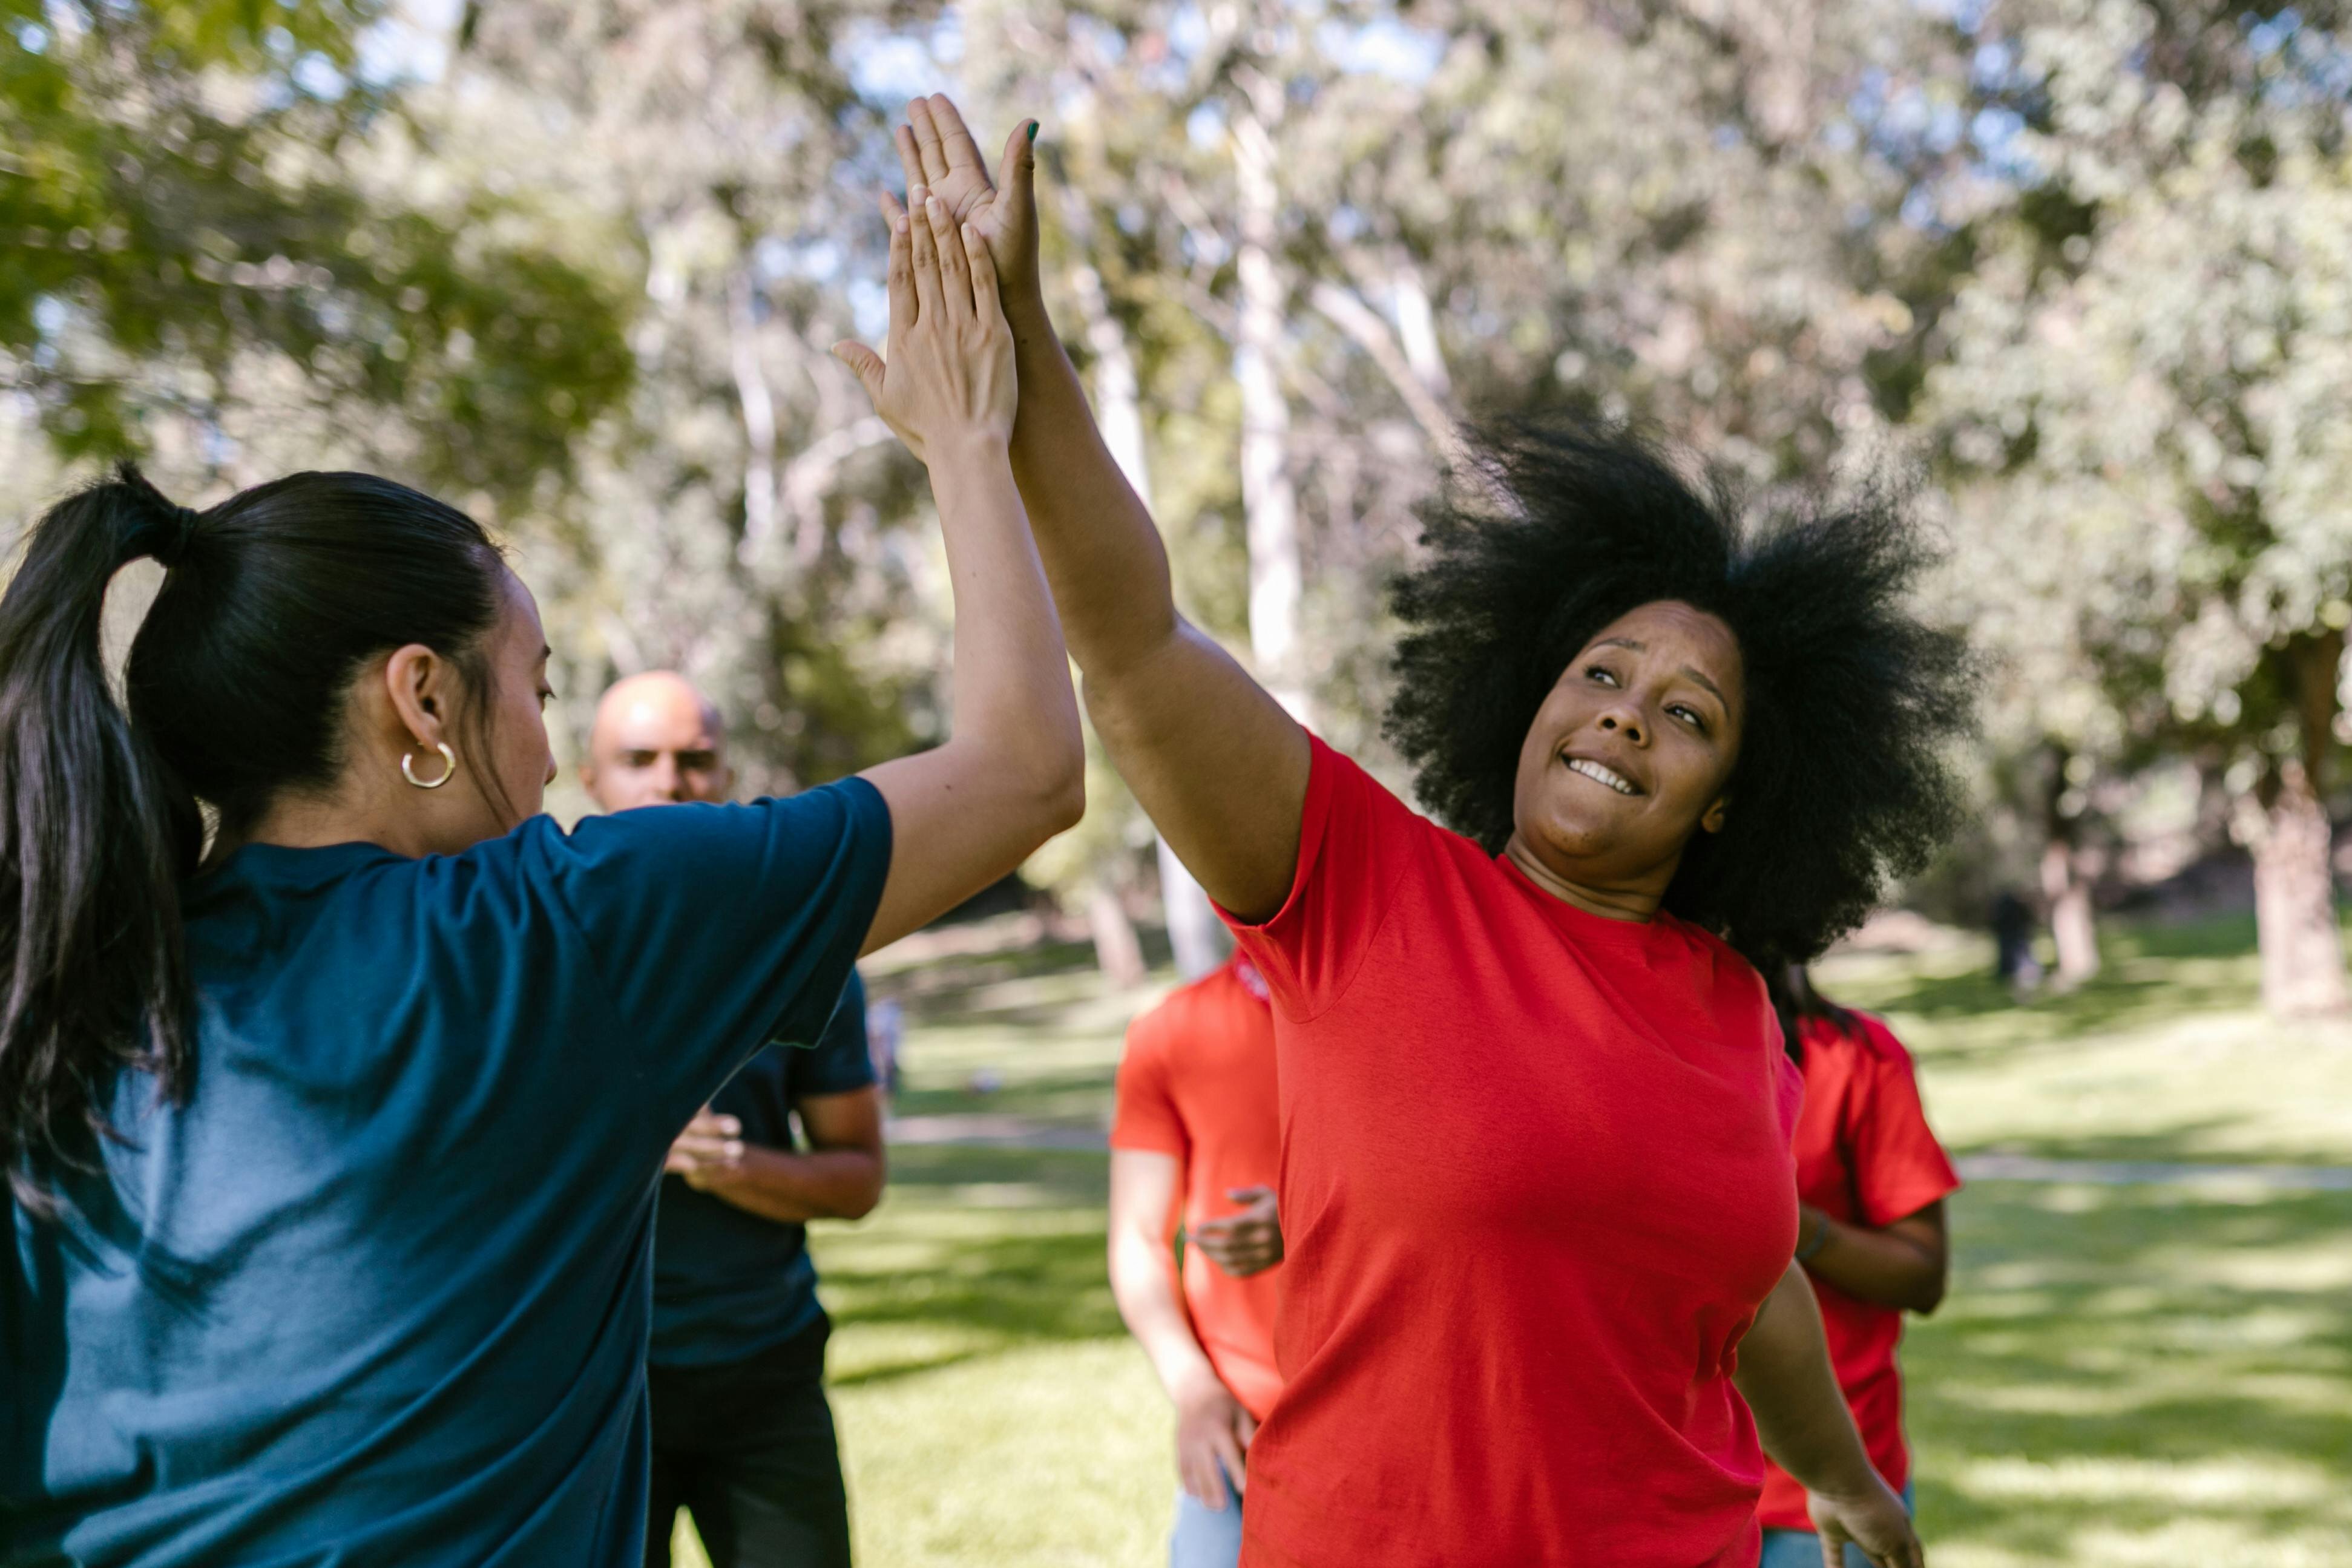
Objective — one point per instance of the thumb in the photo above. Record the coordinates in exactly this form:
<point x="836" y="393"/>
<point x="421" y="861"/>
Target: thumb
<point x="866" y="363"/>
<point x="1016" y="173"/>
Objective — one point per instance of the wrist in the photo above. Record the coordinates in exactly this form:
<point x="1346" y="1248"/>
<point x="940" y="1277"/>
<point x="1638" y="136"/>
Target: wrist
<point x="1024" y="302"/>
<point x="980" y="445"/>
<point x="1191" y="1379"/>
<point x="1814" y="1230"/>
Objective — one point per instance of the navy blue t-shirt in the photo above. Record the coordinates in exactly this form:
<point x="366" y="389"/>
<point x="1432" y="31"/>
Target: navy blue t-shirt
<point x="379" y="1291"/>
<point x="729" y="1283"/>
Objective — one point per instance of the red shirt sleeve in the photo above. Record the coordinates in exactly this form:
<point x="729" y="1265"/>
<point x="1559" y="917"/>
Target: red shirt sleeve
<point x="1355" y="843"/>
<point x="1143" y="1115"/>
<point x="1899" y="1169"/>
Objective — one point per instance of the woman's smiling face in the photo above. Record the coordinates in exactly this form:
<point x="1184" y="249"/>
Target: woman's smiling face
<point x="1632" y="751"/>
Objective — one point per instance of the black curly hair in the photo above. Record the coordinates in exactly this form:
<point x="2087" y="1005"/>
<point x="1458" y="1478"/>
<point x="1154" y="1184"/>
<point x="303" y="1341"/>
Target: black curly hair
<point x="1844" y="781"/>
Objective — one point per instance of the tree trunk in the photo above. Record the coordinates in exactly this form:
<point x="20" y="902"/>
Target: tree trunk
<point x="2295" y="881"/>
<point x="1117" y="952"/>
<point x="1269" y="497"/>
<point x="1199" y="938"/>
<point x="2064" y="889"/>
<point x="2294" y="903"/>
<point x="2071" y="924"/>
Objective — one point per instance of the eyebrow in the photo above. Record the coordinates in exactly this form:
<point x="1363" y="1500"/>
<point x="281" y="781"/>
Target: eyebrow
<point x="1639" y="647"/>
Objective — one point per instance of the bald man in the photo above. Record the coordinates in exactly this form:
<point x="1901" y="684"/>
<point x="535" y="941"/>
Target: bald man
<point x="742" y="1435"/>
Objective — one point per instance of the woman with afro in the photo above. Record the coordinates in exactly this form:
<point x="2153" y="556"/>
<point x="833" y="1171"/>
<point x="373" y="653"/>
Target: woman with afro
<point x="1536" y="1190"/>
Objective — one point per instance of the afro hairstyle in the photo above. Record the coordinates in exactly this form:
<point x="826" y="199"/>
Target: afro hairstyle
<point x="1845" y="779"/>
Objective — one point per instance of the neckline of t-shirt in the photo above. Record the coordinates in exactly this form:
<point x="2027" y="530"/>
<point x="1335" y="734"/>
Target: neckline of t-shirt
<point x="1632" y="932"/>
<point x="299" y="862"/>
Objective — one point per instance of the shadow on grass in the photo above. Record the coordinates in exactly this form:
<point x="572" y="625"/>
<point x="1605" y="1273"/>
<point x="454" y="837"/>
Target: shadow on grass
<point x="977" y="1251"/>
<point x="2104" y="1347"/>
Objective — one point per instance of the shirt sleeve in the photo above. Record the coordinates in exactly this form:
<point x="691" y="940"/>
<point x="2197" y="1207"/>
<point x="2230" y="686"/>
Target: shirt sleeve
<point x="1355" y="843"/>
<point x="716" y="929"/>
<point x="1143" y="1115"/>
<point x="1898" y="1166"/>
<point x="840" y="1060"/>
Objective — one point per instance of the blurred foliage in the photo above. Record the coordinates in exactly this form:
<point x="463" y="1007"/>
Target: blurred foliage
<point x="194" y="235"/>
<point x="2078" y="262"/>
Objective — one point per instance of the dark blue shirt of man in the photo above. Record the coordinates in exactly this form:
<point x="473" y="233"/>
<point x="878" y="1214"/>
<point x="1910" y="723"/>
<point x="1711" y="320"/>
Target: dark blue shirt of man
<point x="742" y="1435"/>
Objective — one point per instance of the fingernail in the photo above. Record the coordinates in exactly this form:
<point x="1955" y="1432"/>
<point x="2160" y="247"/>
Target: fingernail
<point x="1032" y="134"/>
<point x="931" y="206"/>
<point x="917" y="195"/>
<point x="899" y="225"/>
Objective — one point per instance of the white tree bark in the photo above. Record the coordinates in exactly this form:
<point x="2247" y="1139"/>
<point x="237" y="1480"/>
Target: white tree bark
<point x="1194" y="932"/>
<point x="759" y="410"/>
<point x="1269" y="495"/>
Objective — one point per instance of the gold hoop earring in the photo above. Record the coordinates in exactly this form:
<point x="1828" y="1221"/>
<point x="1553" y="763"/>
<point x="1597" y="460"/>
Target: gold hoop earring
<point x="408" y="770"/>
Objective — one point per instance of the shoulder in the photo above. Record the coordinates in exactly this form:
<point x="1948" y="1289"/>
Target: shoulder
<point x="808" y="821"/>
<point x="1875" y="1044"/>
<point x="1344" y="789"/>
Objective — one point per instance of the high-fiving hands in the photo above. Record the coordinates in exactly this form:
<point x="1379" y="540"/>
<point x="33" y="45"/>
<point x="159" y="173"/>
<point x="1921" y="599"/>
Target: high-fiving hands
<point x="949" y="374"/>
<point x="938" y="153"/>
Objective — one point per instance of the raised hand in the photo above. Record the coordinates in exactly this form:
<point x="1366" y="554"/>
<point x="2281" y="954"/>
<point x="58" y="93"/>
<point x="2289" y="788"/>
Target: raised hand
<point x="937" y="152"/>
<point x="949" y="374"/>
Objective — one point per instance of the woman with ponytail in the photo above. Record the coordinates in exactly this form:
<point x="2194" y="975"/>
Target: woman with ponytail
<point x="332" y="1144"/>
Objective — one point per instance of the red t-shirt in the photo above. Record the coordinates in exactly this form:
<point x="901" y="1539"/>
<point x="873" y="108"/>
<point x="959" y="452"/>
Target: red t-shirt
<point x="1197" y="1082"/>
<point x="1864" y="1155"/>
<point x="1536" y="1181"/>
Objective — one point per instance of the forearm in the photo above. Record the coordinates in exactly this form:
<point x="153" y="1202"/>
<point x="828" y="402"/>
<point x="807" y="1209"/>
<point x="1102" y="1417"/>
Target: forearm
<point x="793" y="1187"/>
<point x="1143" y="1283"/>
<point x="1102" y="552"/>
<point x="1881" y="1266"/>
<point x="1800" y="1416"/>
<point x="1011" y="686"/>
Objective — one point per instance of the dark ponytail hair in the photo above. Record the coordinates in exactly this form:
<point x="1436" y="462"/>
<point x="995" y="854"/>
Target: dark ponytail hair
<point x="236" y="690"/>
<point x="1796" y="1002"/>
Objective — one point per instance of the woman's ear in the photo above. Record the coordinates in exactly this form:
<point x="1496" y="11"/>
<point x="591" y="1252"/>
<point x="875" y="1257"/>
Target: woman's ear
<point x="1713" y="820"/>
<point x="417" y="680"/>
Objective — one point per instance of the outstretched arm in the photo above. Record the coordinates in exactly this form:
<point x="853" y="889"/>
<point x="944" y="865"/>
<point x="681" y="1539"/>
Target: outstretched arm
<point x="1801" y="1415"/>
<point x="1012" y="773"/>
<point x="1216" y="762"/>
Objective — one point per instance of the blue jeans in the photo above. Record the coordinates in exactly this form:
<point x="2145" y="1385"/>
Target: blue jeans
<point x="1802" y="1548"/>
<point x="1205" y="1537"/>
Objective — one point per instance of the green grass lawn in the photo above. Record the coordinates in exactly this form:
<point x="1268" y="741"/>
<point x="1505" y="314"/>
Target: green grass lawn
<point x="2125" y="1377"/>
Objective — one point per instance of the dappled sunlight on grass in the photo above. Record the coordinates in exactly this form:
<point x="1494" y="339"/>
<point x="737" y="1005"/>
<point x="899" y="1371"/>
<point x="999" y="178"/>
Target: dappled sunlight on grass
<point x="2119" y="1366"/>
<point x="2164" y="1056"/>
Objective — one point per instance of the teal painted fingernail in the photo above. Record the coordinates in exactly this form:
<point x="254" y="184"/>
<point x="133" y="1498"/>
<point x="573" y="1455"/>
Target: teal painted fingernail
<point x="1032" y="134"/>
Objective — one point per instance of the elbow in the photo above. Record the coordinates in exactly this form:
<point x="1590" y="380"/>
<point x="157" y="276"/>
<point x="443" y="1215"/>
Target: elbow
<point x="861" y="1200"/>
<point x="1059" y="792"/>
<point x="1067" y="802"/>
<point x="1927" y="1296"/>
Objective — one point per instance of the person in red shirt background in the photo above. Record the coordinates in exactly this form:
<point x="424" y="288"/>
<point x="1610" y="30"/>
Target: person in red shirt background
<point x="1195" y="1142"/>
<point x="1871" y="1184"/>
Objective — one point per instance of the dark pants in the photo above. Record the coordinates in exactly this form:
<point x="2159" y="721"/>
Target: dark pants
<point x="747" y="1448"/>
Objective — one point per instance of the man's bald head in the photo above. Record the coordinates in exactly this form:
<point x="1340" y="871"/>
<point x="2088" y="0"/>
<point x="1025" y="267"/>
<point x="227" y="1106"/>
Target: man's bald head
<point x="656" y="740"/>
